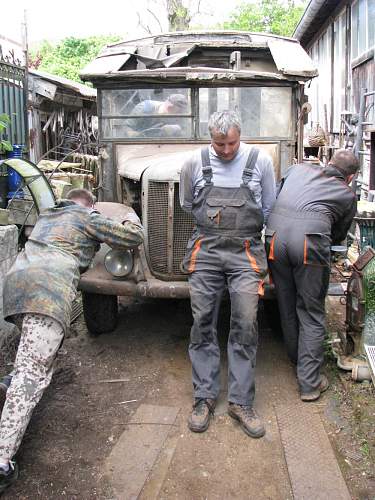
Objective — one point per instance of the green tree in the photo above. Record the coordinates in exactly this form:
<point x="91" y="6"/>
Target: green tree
<point x="69" y="56"/>
<point x="279" y="17"/>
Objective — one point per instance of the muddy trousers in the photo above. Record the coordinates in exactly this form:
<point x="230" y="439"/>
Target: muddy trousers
<point x="41" y="338"/>
<point x="206" y="289"/>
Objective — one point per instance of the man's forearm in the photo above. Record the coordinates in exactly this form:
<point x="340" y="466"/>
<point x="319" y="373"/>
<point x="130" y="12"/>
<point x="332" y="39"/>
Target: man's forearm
<point x="129" y="234"/>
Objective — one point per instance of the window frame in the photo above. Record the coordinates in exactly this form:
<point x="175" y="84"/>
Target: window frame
<point x="194" y="115"/>
<point x="361" y="8"/>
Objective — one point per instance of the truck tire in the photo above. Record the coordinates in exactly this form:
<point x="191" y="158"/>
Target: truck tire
<point x="100" y="312"/>
<point x="272" y="313"/>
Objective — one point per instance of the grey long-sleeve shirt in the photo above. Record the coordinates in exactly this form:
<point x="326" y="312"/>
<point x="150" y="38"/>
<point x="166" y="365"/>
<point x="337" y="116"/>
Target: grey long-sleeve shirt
<point x="229" y="174"/>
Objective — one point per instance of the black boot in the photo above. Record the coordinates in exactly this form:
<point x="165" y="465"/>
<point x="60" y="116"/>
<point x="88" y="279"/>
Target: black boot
<point x="8" y="477"/>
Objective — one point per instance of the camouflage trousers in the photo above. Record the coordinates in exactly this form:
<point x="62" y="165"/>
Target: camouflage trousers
<point x="41" y="338"/>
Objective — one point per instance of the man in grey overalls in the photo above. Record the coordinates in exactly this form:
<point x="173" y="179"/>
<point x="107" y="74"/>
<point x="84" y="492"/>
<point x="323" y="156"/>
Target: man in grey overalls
<point x="314" y="209"/>
<point x="229" y="188"/>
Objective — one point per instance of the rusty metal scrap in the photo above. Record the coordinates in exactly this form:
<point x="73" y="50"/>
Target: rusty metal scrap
<point x="172" y="51"/>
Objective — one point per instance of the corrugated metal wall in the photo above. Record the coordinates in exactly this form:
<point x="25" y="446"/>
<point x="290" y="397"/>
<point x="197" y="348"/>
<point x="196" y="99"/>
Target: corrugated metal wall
<point x="13" y="99"/>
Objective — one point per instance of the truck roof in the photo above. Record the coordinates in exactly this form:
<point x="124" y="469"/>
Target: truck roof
<point x="196" y="55"/>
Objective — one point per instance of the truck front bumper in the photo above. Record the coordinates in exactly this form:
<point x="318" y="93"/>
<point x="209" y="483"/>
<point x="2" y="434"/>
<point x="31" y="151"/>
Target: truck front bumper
<point x="98" y="280"/>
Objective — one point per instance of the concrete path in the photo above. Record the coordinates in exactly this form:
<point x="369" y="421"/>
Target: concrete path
<point x="222" y="463"/>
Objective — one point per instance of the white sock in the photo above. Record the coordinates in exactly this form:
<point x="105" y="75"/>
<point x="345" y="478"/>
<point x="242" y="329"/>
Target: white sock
<point x="4" y="466"/>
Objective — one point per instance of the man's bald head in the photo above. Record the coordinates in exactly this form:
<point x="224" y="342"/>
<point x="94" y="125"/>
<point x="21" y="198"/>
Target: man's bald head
<point x="345" y="161"/>
<point x="82" y="197"/>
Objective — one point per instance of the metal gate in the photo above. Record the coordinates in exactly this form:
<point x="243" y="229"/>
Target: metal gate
<point x="13" y="97"/>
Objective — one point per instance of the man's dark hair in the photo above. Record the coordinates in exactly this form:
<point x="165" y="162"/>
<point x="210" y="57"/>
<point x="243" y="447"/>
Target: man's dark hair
<point x="345" y="161"/>
<point x="81" y="194"/>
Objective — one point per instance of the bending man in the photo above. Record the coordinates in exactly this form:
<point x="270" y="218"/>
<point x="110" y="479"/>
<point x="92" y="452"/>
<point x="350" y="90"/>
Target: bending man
<point x="38" y="292"/>
<point x="314" y="210"/>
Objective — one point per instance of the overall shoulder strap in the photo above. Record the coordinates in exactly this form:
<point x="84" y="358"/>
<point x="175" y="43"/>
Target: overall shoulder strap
<point x="250" y="164"/>
<point x="206" y="166"/>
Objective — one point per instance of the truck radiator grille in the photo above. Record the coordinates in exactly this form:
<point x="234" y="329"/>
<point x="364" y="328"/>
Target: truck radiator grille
<point x="182" y="230"/>
<point x="167" y="236"/>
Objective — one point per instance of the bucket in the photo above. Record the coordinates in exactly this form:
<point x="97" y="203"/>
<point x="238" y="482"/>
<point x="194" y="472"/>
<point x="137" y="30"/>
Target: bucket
<point x="14" y="179"/>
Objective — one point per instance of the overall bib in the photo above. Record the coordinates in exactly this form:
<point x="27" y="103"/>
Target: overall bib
<point x="225" y="251"/>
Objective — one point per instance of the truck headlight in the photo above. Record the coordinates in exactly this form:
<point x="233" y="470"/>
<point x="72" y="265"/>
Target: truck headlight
<point x="119" y="263"/>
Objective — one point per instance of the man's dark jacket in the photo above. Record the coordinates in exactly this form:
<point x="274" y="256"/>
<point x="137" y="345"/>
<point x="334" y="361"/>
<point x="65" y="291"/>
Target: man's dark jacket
<point x="313" y="188"/>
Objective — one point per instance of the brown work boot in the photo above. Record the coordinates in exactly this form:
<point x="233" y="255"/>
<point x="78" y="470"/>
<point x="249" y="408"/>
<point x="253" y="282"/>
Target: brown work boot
<point x="314" y="395"/>
<point x="203" y="410"/>
<point x="248" y="418"/>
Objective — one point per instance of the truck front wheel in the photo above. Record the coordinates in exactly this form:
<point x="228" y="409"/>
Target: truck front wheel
<point x="100" y="312"/>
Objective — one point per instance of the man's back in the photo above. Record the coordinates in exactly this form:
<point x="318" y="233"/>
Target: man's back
<point x="45" y="276"/>
<point x="64" y="229"/>
<point x="314" y="188"/>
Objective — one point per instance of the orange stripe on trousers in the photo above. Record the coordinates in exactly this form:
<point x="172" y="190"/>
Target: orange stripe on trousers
<point x="271" y="255"/>
<point x="252" y="260"/>
<point x="197" y="247"/>
<point x="305" y="251"/>
<point x="261" y="288"/>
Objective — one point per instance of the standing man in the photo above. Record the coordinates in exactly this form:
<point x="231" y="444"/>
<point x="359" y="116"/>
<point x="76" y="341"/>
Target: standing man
<point x="314" y="210"/>
<point x="38" y="292"/>
<point x="229" y="188"/>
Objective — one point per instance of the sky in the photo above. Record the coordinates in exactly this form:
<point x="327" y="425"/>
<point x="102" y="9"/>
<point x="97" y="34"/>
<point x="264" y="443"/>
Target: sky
<point x="54" y="20"/>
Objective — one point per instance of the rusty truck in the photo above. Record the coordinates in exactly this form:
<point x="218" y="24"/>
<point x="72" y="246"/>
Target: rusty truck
<point x="142" y="150"/>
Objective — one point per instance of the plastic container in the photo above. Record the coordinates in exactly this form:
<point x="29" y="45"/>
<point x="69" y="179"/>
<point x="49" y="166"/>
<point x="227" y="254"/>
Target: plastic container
<point x="14" y="179"/>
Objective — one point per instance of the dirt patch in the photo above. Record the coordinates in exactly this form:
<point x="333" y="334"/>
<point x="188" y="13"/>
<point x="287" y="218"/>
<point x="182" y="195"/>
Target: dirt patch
<point x="350" y="419"/>
<point x="79" y="419"/>
<point x="100" y="382"/>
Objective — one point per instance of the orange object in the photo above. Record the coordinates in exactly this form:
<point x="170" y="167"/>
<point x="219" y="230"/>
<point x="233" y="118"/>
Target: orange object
<point x="252" y="260"/>
<point x="197" y="247"/>
<point x="271" y="255"/>
<point x="305" y="251"/>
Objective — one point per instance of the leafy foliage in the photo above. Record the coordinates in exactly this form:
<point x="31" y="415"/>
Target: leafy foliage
<point x="179" y="16"/>
<point x="69" y="56"/>
<point x="4" y="145"/>
<point x="279" y="17"/>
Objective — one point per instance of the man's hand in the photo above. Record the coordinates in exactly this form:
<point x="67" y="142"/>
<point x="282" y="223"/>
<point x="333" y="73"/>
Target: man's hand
<point x="132" y="217"/>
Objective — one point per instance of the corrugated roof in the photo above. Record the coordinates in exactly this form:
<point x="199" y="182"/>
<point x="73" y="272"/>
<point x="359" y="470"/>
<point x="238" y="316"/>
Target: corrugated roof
<point x="80" y="88"/>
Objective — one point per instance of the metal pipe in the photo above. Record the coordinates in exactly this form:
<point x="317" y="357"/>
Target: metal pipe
<point x="361" y="373"/>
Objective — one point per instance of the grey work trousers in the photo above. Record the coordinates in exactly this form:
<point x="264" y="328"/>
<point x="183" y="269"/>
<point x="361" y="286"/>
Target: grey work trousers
<point x="300" y="269"/>
<point x="206" y="289"/>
